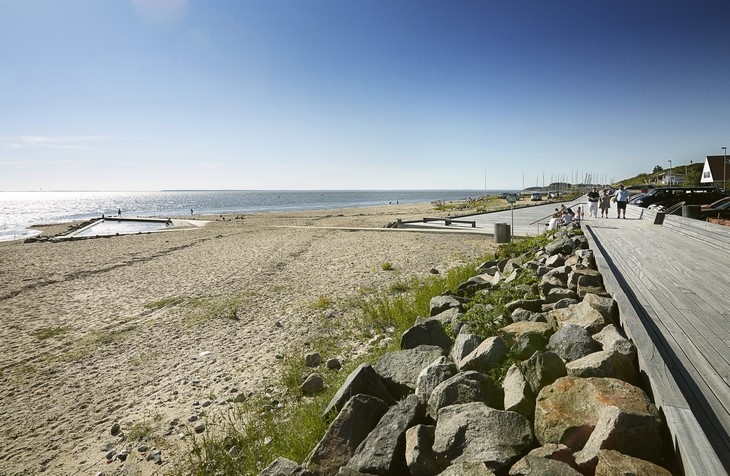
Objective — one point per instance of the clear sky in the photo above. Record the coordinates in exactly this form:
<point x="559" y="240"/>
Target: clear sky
<point x="356" y="94"/>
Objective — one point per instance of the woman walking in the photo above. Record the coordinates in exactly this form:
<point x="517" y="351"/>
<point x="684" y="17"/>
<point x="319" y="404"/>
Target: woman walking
<point x="605" y="203"/>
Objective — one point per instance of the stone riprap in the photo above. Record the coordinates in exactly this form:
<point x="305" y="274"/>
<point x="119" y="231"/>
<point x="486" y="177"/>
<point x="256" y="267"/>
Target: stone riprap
<point x="569" y="403"/>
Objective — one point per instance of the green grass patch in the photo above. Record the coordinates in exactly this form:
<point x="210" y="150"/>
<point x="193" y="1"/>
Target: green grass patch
<point x="387" y="266"/>
<point x="322" y="302"/>
<point x="385" y="310"/>
<point x="25" y="370"/>
<point x="167" y="302"/>
<point x="497" y="374"/>
<point x="200" y="309"/>
<point x="517" y="248"/>
<point x="294" y="370"/>
<point x="487" y="311"/>
<point x="91" y="343"/>
<point x="250" y="435"/>
<point x="50" y="332"/>
<point x="143" y="430"/>
<point x="400" y="286"/>
<point x="473" y="205"/>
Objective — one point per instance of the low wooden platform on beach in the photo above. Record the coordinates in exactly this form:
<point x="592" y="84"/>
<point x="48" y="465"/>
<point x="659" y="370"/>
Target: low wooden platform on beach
<point x="671" y="283"/>
<point x="450" y="221"/>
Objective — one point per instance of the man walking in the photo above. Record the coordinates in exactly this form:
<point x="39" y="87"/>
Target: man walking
<point x="622" y="198"/>
<point x="593" y="197"/>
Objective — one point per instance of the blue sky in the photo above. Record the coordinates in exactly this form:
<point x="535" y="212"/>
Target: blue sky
<point x="310" y="94"/>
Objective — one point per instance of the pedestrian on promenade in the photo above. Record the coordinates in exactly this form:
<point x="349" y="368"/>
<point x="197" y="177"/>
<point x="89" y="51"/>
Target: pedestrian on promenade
<point x="605" y="203"/>
<point x="622" y="198"/>
<point x="593" y="197"/>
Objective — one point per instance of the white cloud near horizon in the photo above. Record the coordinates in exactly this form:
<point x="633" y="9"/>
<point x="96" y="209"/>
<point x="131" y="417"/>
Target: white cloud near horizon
<point x="62" y="142"/>
<point x="34" y="164"/>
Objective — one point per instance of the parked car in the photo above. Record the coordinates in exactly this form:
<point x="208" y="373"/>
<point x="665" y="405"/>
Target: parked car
<point x="636" y="196"/>
<point x="645" y="187"/>
<point x="536" y="197"/>
<point x="716" y="204"/>
<point x="721" y="211"/>
<point x="668" y="196"/>
<point x="553" y="195"/>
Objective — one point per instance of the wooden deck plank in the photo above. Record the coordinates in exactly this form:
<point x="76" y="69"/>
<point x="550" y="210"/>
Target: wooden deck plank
<point x="691" y="319"/>
<point x="687" y="340"/>
<point x="680" y="316"/>
<point x="697" y="445"/>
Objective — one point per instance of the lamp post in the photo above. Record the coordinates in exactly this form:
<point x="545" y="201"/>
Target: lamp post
<point x="670" y="173"/>
<point x="724" y="169"/>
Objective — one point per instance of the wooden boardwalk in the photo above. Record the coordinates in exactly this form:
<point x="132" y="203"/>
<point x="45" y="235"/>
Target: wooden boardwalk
<point x="672" y="284"/>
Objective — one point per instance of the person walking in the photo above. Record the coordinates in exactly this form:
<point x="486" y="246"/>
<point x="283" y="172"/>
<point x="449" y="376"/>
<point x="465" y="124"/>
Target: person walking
<point x="622" y="198"/>
<point x="593" y="197"/>
<point x="605" y="203"/>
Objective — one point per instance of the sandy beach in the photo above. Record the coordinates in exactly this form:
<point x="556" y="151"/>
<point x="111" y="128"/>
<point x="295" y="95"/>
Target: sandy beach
<point x="93" y="331"/>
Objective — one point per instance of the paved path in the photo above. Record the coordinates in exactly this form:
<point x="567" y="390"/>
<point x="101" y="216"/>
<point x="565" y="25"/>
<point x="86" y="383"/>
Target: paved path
<point x="528" y="221"/>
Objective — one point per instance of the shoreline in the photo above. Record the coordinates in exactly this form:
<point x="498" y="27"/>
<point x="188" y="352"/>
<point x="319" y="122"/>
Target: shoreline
<point x="133" y="329"/>
<point x="24" y="209"/>
<point x="45" y="230"/>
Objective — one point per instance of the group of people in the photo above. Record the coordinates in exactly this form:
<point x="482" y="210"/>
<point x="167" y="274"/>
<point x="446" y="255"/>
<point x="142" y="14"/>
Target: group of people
<point x="564" y="216"/>
<point x="603" y="200"/>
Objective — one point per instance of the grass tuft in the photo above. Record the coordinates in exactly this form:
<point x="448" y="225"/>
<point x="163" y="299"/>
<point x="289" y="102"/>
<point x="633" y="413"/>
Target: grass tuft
<point x="143" y="430"/>
<point x="322" y="302"/>
<point x="199" y="309"/>
<point x="47" y="333"/>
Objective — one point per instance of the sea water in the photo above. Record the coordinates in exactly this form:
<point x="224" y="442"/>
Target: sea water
<point x="20" y="210"/>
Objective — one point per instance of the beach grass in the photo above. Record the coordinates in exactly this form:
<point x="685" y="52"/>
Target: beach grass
<point x="321" y="303"/>
<point x="51" y="332"/>
<point x="475" y="205"/>
<point x="143" y="430"/>
<point x="200" y="309"/>
<point x="93" y="342"/>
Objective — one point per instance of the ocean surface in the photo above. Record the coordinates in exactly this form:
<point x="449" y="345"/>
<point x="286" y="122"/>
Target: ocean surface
<point x="19" y="210"/>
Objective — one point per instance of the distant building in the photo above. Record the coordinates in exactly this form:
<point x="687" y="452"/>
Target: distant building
<point x="670" y="179"/>
<point x="715" y="172"/>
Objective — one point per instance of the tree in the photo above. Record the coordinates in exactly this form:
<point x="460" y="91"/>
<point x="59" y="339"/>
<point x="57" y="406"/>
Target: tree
<point x="693" y="177"/>
<point x="657" y="168"/>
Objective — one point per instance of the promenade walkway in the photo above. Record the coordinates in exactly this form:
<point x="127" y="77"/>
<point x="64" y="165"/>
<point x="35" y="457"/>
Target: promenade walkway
<point x="672" y="285"/>
<point x="528" y="221"/>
